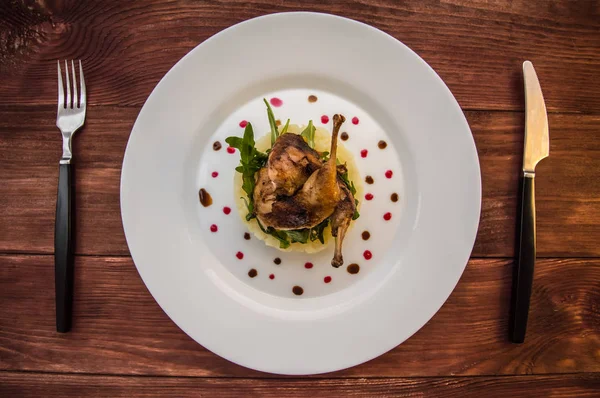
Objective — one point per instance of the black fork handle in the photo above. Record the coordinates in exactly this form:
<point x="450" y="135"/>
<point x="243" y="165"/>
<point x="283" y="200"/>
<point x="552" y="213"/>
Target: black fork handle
<point x="63" y="251"/>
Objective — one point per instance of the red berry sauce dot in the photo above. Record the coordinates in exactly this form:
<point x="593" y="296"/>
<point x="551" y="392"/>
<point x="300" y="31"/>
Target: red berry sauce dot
<point x="367" y="255"/>
<point x="369" y="196"/>
<point x="276" y="102"/>
<point x="215" y="174"/>
<point x="214" y="228"/>
<point x="272" y="276"/>
<point x="308" y="265"/>
<point x="363" y="153"/>
<point x="327" y="279"/>
<point x="355" y="120"/>
<point x="389" y="173"/>
<point x="230" y="150"/>
<point x="387" y="216"/>
<point x="226" y="210"/>
<point x="243" y="123"/>
<point x="239" y="255"/>
<point x="324" y="119"/>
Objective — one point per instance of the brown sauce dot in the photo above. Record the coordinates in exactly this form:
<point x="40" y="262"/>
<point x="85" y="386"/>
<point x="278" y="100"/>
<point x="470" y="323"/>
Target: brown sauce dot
<point x="344" y="136"/>
<point x="312" y="98"/>
<point x="394" y="197"/>
<point x="353" y="269"/>
<point x="246" y="236"/>
<point x="252" y="273"/>
<point x="277" y="122"/>
<point x="277" y="260"/>
<point x="366" y="235"/>
<point x="382" y="144"/>
<point x="217" y="145"/>
<point x="205" y="197"/>
<point x="369" y="180"/>
<point x="297" y="290"/>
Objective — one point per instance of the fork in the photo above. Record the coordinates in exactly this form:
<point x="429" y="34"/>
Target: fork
<point x="70" y="117"/>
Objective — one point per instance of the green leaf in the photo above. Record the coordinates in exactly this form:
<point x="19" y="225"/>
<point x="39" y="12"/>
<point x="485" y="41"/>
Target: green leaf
<point x="349" y="184"/>
<point x="300" y="235"/>
<point x="309" y="134"/>
<point x="317" y="232"/>
<point x="251" y="161"/>
<point x="285" y="128"/>
<point x="235" y="142"/>
<point x="272" y="123"/>
<point x="324" y="156"/>
<point x="356" y="213"/>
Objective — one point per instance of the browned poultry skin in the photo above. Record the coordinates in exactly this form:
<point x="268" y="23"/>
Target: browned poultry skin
<point x="290" y="164"/>
<point x="311" y="205"/>
<point x="340" y="221"/>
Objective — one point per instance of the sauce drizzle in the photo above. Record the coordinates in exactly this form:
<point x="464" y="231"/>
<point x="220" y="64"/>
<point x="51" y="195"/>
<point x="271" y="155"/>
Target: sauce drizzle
<point x="312" y="98"/>
<point x="353" y="269"/>
<point x="205" y="197"/>
<point x="297" y="290"/>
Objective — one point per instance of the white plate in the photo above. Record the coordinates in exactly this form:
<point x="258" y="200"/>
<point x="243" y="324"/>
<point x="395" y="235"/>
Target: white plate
<point x="417" y="256"/>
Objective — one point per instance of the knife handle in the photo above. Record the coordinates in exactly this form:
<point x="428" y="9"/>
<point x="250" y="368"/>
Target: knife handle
<point x="523" y="279"/>
<point x="63" y="251"/>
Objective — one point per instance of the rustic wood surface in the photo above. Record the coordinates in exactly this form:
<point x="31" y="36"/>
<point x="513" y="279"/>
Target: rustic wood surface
<point x="123" y="344"/>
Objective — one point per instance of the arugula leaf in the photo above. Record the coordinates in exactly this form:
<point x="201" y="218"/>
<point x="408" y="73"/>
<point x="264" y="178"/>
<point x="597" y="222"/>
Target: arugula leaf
<point x="279" y="235"/>
<point x="317" y="231"/>
<point x="309" y="134"/>
<point x="349" y="184"/>
<point x="272" y="123"/>
<point x="251" y="161"/>
<point x="324" y="156"/>
<point x="356" y="213"/>
<point x="300" y="235"/>
<point x="285" y="128"/>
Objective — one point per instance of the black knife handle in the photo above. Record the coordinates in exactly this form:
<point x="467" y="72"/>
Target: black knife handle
<point x="63" y="251"/>
<point x="523" y="280"/>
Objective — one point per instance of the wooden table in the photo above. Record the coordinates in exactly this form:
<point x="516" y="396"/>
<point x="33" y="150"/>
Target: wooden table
<point x="122" y="343"/>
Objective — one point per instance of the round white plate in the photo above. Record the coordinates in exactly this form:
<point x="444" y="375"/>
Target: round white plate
<point x="419" y="244"/>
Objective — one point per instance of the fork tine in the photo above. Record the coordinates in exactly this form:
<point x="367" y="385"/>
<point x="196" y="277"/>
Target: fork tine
<point x="61" y="89"/>
<point x="68" y="85"/>
<point x="75" y="97"/>
<point x="83" y="99"/>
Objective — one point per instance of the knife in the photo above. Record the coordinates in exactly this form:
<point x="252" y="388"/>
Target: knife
<point x="536" y="148"/>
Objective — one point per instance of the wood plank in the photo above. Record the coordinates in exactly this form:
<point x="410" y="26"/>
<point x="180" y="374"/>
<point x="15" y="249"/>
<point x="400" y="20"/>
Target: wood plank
<point x="568" y="189"/>
<point x="50" y="385"/>
<point x="477" y="47"/>
<point x="119" y="329"/>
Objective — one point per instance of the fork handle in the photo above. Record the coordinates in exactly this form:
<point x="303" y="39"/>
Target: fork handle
<point x="63" y="251"/>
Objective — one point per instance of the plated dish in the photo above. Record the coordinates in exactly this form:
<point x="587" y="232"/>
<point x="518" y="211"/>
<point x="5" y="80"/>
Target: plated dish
<point x="271" y="299"/>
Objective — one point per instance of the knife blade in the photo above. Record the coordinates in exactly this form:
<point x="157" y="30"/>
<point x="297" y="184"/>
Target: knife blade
<point x="537" y="147"/>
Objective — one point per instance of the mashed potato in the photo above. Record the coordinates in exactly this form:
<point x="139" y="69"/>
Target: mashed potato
<point x="322" y="143"/>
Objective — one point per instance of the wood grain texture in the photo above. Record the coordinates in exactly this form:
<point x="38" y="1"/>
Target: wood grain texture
<point x="477" y="47"/>
<point x="568" y="187"/>
<point x="119" y="329"/>
<point x="52" y="385"/>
